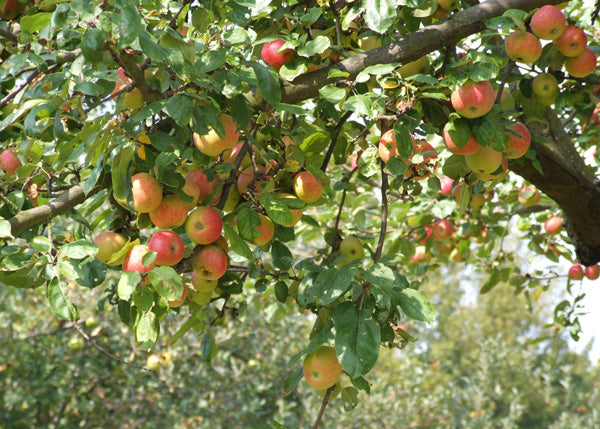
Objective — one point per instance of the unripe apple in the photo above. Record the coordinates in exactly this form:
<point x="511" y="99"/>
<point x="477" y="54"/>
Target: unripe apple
<point x="440" y="13"/>
<point x="146" y="192"/>
<point x="133" y="99"/>
<point x="169" y="248"/>
<point x="469" y="148"/>
<point x="473" y="99"/>
<point x="592" y="272"/>
<point x="501" y="172"/>
<point x="442" y="229"/>
<point x="572" y="42"/>
<point x="529" y="196"/>
<point x="75" y="344"/>
<point x="180" y="301"/>
<point x="576" y="272"/>
<point x="153" y="362"/>
<point x="553" y="225"/>
<point x="133" y="259"/>
<point x="420" y="66"/>
<point x="202" y="284"/>
<point x="321" y="368"/>
<point x="166" y="358"/>
<point x="351" y="248"/>
<point x="204" y="225"/>
<point x="485" y="160"/>
<point x="306" y="187"/>
<point x="545" y="86"/>
<point x="266" y="229"/>
<point x="9" y="162"/>
<point x="210" y="262"/>
<point x="270" y="54"/>
<point x="517" y="146"/>
<point x="212" y="144"/>
<point x="296" y="213"/>
<point x="523" y="47"/>
<point x="581" y="65"/>
<point x="171" y="212"/>
<point x="477" y="201"/>
<point x="205" y="186"/>
<point x="548" y="23"/>
<point x="446" y="186"/>
<point x="200" y="298"/>
<point x="369" y="42"/>
<point x="108" y="244"/>
<point x="448" y="4"/>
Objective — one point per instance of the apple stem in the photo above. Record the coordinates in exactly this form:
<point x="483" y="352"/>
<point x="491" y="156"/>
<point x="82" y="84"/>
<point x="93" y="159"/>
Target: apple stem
<point x="323" y="406"/>
<point x="384" y="212"/>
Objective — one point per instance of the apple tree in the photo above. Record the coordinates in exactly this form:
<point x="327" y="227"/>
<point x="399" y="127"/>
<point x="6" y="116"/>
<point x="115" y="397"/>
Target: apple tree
<point x="189" y="157"/>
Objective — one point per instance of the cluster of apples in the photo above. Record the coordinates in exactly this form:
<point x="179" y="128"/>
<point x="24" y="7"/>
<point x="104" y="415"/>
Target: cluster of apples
<point x="578" y="271"/>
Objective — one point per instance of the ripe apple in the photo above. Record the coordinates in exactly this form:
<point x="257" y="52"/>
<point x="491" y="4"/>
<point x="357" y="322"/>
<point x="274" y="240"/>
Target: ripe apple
<point x="553" y="225"/>
<point x="442" y="229"/>
<point x="388" y="147"/>
<point x="212" y="144"/>
<point x="266" y="229"/>
<point x="171" y="212"/>
<point x="306" y="187"/>
<point x="210" y="262"/>
<point x="529" y="196"/>
<point x="572" y="42"/>
<point x="420" y="66"/>
<point x="548" y="23"/>
<point x="153" y="362"/>
<point x="517" y="146"/>
<point x="448" y="4"/>
<point x="473" y="99"/>
<point x="169" y="248"/>
<point x="351" y="248"/>
<point x="205" y="186"/>
<point x="9" y="162"/>
<point x="523" y="47"/>
<point x="190" y="188"/>
<point x="485" y="160"/>
<point x="421" y="255"/>
<point x="576" y="272"/>
<point x="202" y="284"/>
<point x="247" y="176"/>
<point x="469" y="148"/>
<point x="133" y="259"/>
<point x="180" y="301"/>
<point x="446" y="186"/>
<point x="296" y="213"/>
<point x="270" y="54"/>
<point x="146" y="192"/>
<point x="545" y="87"/>
<point x="581" y="65"/>
<point x="321" y="368"/>
<point x="108" y="244"/>
<point x="592" y="272"/>
<point x="204" y="225"/>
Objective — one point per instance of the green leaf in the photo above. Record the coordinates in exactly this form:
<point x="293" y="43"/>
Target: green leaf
<point x="268" y="83"/>
<point x="146" y="330"/>
<point x="166" y="282"/>
<point x="130" y="24"/>
<point x="459" y="132"/>
<point x="318" y="45"/>
<point x="179" y="107"/>
<point x="41" y="243"/>
<point x="380" y="14"/>
<point x="121" y="175"/>
<point x="91" y="44"/>
<point x="404" y="140"/>
<point x="416" y="306"/>
<point x="357" y="338"/>
<point x="386" y="281"/>
<point x="154" y="51"/>
<point x="278" y="211"/>
<point x="58" y="301"/>
<point x="247" y="221"/>
<point x="292" y="380"/>
<point x="332" y="93"/>
<point x="282" y="257"/>
<point x="281" y="291"/>
<point x="127" y="284"/>
<point x="333" y="283"/>
<point x="455" y="167"/>
<point x="5" y="229"/>
<point x="212" y="60"/>
<point x="350" y="397"/>
<point x="192" y="323"/>
<point x="488" y="132"/>
<point x="143" y="298"/>
<point x="34" y="23"/>
<point x="315" y="143"/>
<point x="79" y="249"/>
<point x="237" y="244"/>
<point x="208" y="347"/>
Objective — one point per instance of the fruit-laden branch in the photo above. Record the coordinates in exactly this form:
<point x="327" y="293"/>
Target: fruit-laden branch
<point x="409" y="48"/>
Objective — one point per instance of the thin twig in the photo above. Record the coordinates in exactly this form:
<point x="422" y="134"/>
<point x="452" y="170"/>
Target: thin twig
<point x="10" y="204"/>
<point x="509" y="68"/>
<point x="338" y="129"/>
<point x="323" y="406"/>
<point x="384" y="212"/>
<point x="232" y="174"/>
<point x="336" y="226"/>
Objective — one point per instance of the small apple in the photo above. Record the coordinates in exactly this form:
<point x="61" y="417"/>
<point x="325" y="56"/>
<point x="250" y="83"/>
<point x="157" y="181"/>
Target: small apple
<point x="202" y="284"/>
<point x="306" y="187"/>
<point x="477" y="201"/>
<point x="470" y="147"/>
<point x="321" y="368"/>
<point x="170" y="213"/>
<point x="387" y="146"/>
<point x="169" y="248"/>
<point x="545" y="86"/>
<point x="351" y="248"/>
<point x="448" y="4"/>
<point x="146" y="192"/>
<point x="572" y="42"/>
<point x="204" y="225"/>
<point x="75" y="344"/>
<point x="9" y="162"/>
<point x="581" y="65"/>
<point x="473" y="99"/>
<point x="576" y="272"/>
<point x="266" y="229"/>
<point x="421" y="255"/>
<point x="153" y="362"/>
<point x="205" y="186"/>
<point x="529" y="196"/>
<point x="420" y="66"/>
<point x="210" y="262"/>
<point x="497" y="174"/>
<point x="523" y="47"/>
<point x="548" y="23"/>
<point x="517" y="146"/>
<point x="442" y="229"/>
<point x="553" y="224"/>
<point x="133" y="259"/>
<point x="592" y="272"/>
<point x="108" y="244"/>
<point x="212" y="144"/>
<point x="296" y="213"/>
<point x="230" y="156"/>
<point x="166" y="358"/>
<point x="485" y="160"/>
<point x="446" y="186"/>
<point x="270" y="54"/>
<point x="180" y="301"/>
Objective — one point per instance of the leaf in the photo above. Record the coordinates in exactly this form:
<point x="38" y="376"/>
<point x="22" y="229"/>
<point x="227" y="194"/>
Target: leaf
<point x="192" y="323"/>
<point x="281" y="291"/>
<point x="130" y="24"/>
<point x="459" y="132"/>
<point x="318" y="45"/>
<point x="380" y="14"/>
<point x="332" y="284"/>
<point x="179" y="107"/>
<point x="268" y="83"/>
<point x="5" y="229"/>
<point x="292" y="380"/>
<point x="357" y="338"/>
<point x="282" y="257"/>
<point x="212" y="60"/>
<point x="386" y="281"/>
<point x="278" y="211"/>
<point x="91" y="44"/>
<point x="166" y="282"/>
<point x="492" y="281"/>
<point x="332" y="93"/>
<point x="154" y="51"/>
<point x="315" y="143"/>
<point x="121" y="175"/>
<point x="127" y="284"/>
<point x="143" y="298"/>
<point x="79" y="249"/>
<point x="58" y="301"/>
<point x="237" y="244"/>
<point x="404" y="140"/>
<point x="247" y="221"/>
<point x="34" y="23"/>
<point x="146" y="330"/>
<point x="455" y="167"/>
<point x="416" y="306"/>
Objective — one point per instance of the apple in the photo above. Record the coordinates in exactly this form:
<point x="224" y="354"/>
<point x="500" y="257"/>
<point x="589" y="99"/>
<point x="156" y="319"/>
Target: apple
<point x="210" y="262"/>
<point x="485" y="160"/>
<point x="548" y="23"/>
<point x="469" y="148"/>
<point x="529" y="196"/>
<point x="180" y="301"/>
<point x="498" y="174"/>
<point x="171" y="213"/>
<point x="270" y="54"/>
<point x="133" y="259"/>
<point x="440" y="13"/>
<point x="545" y="87"/>
<point x="306" y="187"/>
<point x="266" y="229"/>
<point x="517" y="146"/>
<point x="169" y="248"/>
<point x="581" y="65"/>
<point x="205" y="186"/>
<point x="200" y="298"/>
<point x="190" y="188"/>
<point x="442" y="229"/>
<point x="592" y="272"/>
<point x="572" y="42"/>
<point x="9" y="162"/>
<point x="477" y="201"/>
<point x="421" y="255"/>
<point x="387" y="146"/>
<point x="11" y="10"/>
<point x="420" y="66"/>
<point x="204" y="225"/>
<point x="202" y="284"/>
<point x="553" y="225"/>
<point x="351" y="248"/>
<point x="212" y="144"/>
<point x="523" y="47"/>
<point x="576" y="272"/>
<point x="146" y="192"/>
<point x="448" y="4"/>
<point x="132" y="99"/>
<point x="222" y="244"/>
<point x="296" y="213"/>
<point x="456" y="256"/>
<point x="369" y="42"/>
<point x="473" y="99"/>
<point x="446" y="186"/>
<point x="321" y="368"/>
<point x="75" y="344"/>
<point x="153" y="362"/>
<point x="428" y="233"/>
<point x="230" y="156"/>
<point x="246" y="177"/>
<point x="108" y="244"/>
<point x="166" y="358"/>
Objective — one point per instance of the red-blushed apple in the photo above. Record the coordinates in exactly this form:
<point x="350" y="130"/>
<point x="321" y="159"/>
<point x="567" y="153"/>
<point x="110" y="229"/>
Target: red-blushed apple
<point x="270" y="54"/>
<point x="202" y="284"/>
<point x="222" y="244"/>
<point x="387" y="146"/>
<point x="306" y="187"/>
<point x="498" y="174"/>
<point x="190" y="188"/>
<point x="153" y="362"/>
<point x="266" y="229"/>
<point x="581" y="65"/>
<point x="469" y="148"/>
<point x="529" y="196"/>
<point x="517" y="146"/>
<point x="133" y="259"/>
<point x="420" y="66"/>
<point x="548" y="22"/>
<point x="485" y="160"/>
<point x="210" y="262"/>
<point x="204" y="225"/>
<point x="169" y="248"/>
<point x="446" y="186"/>
<point x="230" y="156"/>
<point x="296" y="213"/>
<point x="9" y="162"/>
<point x="448" y="4"/>
<point x="523" y="47"/>
<point x="442" y="229"/>
<point x="180" y="301"/>
<point x="572" y="42"/>
<point x="576" y="272"/>
<point x="108" y="244"/>
<point x="553" y="224"/>
<point x="246" y="177"/>
<point x="146" y="192"/>
<point x="592" y="272"/>
<point x="171" y="212"/>
<point x="351" y="248"/>
<point x="205" y="186"/>
<point x="473" y="99"/>
<point x="421" y="255"/>
<point x="321" y="368"/>
<point x="212" y="144"/>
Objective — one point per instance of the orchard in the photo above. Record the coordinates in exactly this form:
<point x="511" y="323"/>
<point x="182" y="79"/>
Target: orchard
<point x="189" y="158"/>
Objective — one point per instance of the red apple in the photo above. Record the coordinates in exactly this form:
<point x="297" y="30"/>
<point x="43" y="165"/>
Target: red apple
<point x="210" y="262"/>
<point x="169" y="248"/>
<point x="446" y="186"/>
<point x="266" y="229"/>
<point x="108" y="244"/>
<point x="529" y="196"/>
<point x="592" y="272"/>
<point x="473" y="99"/>
<point x="306" y="187"/>
<point x="205" y="186"/>
<point x="469" y="148"/>
<point x="428" y="233"/>
<point x="523" y="47"/>
<point x="321" y="368"/>
<point x="517" y="146"/>
<point x="576" y="272"/>
<point x="9" y="162"/>
<point x="190" y="188"/>
<point x="212" y="144"/>
<point x="553" y="225"/>
<point x="548" y="22"/>
<point x="146" y="192"/>
<point x="204" y="225"/>
<point x="581" y="65"/>
<point x="442" y="229"/>
<point x="179" y="302"/>
<point x="388" y="147"/>
<point x="171" y="212"/>
<point x="572" y="42"/>
<point x="133" y="259"/>
<point x="270" y="54"/>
